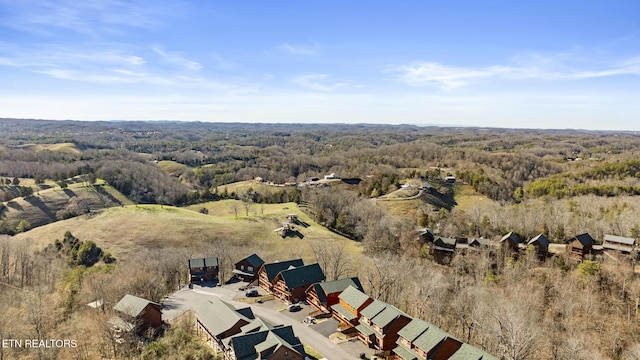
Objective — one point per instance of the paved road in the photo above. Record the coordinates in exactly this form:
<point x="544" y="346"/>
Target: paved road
<point x="186" y="299"/>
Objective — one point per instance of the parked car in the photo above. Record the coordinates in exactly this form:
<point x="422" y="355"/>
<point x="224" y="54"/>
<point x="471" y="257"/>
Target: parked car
<point x="294" y="308"/>
<point x="251" y="293"/>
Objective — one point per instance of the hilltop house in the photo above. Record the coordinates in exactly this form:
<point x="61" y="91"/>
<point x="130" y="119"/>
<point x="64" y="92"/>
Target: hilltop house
<point x="217" y="320"/>
<point x="579" y="246"/>
<point x="246" y="269"/>
<point x="511" y="241"/>
<point x="290" y="284"/>
<point x="323" y="295"/>
<point x="442" y="249"/>
<point x="379" y="325"/>
<point x="203" y="269"/>
<point x="618" y="243"/>
<point x="541" y="244"/>
<point x="350" y="304"/>
<point x="268" y="272"/>
<point x="138" y="314"/>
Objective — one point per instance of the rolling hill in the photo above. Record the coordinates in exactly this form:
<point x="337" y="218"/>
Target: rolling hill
<point x="127" y="229"/>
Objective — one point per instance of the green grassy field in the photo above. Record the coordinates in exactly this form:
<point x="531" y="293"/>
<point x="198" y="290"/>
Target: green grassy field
<point x="69" y="148"/>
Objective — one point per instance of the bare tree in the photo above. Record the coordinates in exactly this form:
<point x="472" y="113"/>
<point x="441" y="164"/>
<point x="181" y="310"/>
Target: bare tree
<point x="333" y="258"/>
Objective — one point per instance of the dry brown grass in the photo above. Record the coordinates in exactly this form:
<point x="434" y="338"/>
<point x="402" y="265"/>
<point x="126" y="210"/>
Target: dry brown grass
<point x="125" y="230"/>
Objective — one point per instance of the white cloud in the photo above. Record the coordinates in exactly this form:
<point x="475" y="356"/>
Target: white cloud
<point x="446" y="77"/>
<point x="301" y="50"/>
<point x="177" y="59"/>
<point x="315" y="82"/>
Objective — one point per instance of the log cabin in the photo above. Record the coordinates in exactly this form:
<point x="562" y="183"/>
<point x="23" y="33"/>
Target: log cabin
<point x="350" y="304"/>
<point x="268" y="272"/>
<point x="380" y="324"/>
<point x="139" y="314"/>
<point x="247" y="268"/>
<point x="290" y="284"/>
<point x="203" y="269"/>
<point x="217" y="320"/>
<point x="323" y="295"/>
<point x="579" y="246"/>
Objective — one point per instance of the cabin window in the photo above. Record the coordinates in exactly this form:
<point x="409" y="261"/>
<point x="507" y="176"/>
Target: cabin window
<point x="241" y="267"/>
<point x="250" y="268"/>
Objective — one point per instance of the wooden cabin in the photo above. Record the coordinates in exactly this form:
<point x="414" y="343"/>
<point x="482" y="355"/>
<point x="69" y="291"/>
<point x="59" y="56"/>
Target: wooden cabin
<point x="276" y="343"/>
<point x="323" y="295"/>
<point x="139" y="314"/>
<point x="203" y="269"/>
<point x="579" y="246"/>
<point x="541" y="244"/>
<point x="511" y="241"/>
<point x="350" y="304"/>
<point x="442" y="249"/>
<point x="247" y="268"/>
<point x="380" y="324"/>
<point x="268" y="272"/>
<point x="217" y="320"/>
<point x="290" y="284"/>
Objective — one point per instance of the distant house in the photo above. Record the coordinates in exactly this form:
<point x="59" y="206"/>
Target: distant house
<point x="479" y="243"/>
<point x="268" y="272"/>
<point x="511" y="241"/>
<point x="450" y="179"/>
<point x="139" y="314"/>
<point x="350" y="304"/>
<point x="203" y="269"/>
<point x="290" y="284"/>
<point x="442" y="249"/>
<point x="426" y="235"/>
<point x="247" y="268"/>
<point x="217" y="320"/>
<point x="380" y="324"/>
<point x="323" y="295"/>
<point x="406" y="187"/>
<point x="331" y="176"/>
<point x="541" y="244"/>
<point x="579" y="246"/>
<point x="277" y="343"/>
<point x="618" y="243"/>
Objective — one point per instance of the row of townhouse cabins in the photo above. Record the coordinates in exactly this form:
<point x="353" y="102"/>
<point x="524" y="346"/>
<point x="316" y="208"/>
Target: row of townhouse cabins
<point x="380" y="326"/>
<point x="577" y="248"/>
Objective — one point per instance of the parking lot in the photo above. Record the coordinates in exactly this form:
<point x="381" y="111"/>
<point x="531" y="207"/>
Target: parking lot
<point x="274" y="311"/>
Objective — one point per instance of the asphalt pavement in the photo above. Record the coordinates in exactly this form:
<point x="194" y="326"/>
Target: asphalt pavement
<point x="273" y="311"/>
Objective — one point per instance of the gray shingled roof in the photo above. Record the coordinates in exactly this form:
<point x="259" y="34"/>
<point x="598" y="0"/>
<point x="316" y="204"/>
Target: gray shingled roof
<point x="344" y="312"/>
<point x="254" y="260"/>
<point x="245" y="346"/>
<point x="541" y="239"/>
<point x="584" y="239"/>
<point x="275" y="268"/>
<point x="330" y="287"/>
<point x="513" y="236"/>
<point x="468" y="352"/>
<point x="133" y="305"/>
<point x="354" y="297"/>
<point x="303" y="275"/>
<point x="414" y="329"/>
<point x="405" y="353"/>
<point x="259" y="324"/>
<point x="219" y="316"/>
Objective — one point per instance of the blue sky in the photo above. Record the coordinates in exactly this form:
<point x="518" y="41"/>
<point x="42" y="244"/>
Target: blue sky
<point x="523" y="64"/>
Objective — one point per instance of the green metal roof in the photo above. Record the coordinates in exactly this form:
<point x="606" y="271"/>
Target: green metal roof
<point x="203" y="262"/>
<point x="430" y="338"/>
<point x="468" y="352"/>
<point x="373" y="309"/>
<point x="387" y="316"/>
<point x="247" y="346"/>
<point x="219" y="316"/>
<point x="133" y="305"/>
<point x="331" y="287"/>
<point x="405" y="353"/>
<point x="365" y="329"/>
<point x="259" y="324"/>
<point x="344" y="312"/>
<point x="414" y="329"/>
<point x="354" y="297"/>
